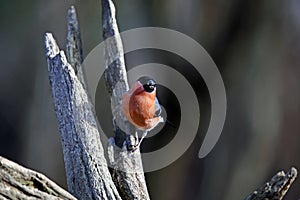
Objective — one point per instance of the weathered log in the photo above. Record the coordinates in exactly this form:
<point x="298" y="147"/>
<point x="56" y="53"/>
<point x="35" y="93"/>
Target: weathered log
<point x="17" y="182"/>
<point x="276" y="188"/>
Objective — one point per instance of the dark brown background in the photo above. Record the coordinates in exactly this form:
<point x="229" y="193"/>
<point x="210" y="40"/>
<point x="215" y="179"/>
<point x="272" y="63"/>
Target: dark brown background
<point x="255" y="44"/>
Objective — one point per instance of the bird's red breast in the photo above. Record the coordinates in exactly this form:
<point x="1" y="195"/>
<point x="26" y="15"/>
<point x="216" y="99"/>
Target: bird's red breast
<point x="139" y="107"/>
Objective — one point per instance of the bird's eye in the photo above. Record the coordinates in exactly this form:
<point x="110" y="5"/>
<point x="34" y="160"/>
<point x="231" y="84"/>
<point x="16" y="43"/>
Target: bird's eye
<point x="149" y="86"/>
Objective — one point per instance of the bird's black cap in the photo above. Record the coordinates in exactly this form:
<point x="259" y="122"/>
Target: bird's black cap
<point x="148" y="83"/>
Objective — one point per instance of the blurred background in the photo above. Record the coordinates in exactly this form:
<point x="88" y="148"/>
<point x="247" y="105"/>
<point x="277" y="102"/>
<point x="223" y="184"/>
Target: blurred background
<point x="255" y="45"/>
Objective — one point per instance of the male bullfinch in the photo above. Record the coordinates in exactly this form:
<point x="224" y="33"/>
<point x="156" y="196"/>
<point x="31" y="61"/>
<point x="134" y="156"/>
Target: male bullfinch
<point x="141" y="106"/>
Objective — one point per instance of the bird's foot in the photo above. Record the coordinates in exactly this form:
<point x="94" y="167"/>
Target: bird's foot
<point x="134" y="148"/>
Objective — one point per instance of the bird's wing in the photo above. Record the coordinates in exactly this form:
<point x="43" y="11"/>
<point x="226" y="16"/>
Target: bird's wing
<point x="157" y="108"/>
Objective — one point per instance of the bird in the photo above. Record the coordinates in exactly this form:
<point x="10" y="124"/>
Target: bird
<point x="141" y="106"/>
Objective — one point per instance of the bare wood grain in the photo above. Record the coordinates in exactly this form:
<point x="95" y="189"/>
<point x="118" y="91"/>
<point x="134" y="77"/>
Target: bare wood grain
<point x="17" y="182"/>
<point x="127" y="166"/>
<point x="276" y="188"/>
<point x="74" y="45"/>
<point x="86" y="168"/>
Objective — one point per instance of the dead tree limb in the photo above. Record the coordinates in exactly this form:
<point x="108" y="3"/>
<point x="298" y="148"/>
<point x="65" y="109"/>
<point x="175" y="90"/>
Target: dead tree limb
<point x="127" y="166"/>
<point x="17" y="182"/>
<point x="276" y="188"/>
<point x="86" y="168"/>
<point x="74" y="45"/>
<point x="115" y="73"/>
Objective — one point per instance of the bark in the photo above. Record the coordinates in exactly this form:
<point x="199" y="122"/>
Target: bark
<point x="276" y="188"/>
<point x="127" y="166"/>
<point x="86" y="168"/>
<point x="74" y="45"/>
<point x="17" y="182"/>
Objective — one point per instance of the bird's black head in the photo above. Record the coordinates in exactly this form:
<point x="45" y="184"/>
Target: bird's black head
<point x="148" y="84"/>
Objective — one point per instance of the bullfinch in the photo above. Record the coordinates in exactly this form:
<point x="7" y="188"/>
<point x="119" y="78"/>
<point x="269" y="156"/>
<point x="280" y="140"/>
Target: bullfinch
<point x="141" y="107"/>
